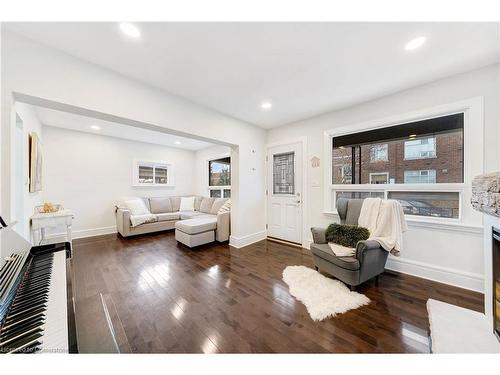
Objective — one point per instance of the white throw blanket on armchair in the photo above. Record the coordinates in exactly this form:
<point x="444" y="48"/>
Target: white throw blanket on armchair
<point x="386" y="222"/>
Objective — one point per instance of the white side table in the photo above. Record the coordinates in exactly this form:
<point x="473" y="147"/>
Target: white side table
<point x="41" y="221"/>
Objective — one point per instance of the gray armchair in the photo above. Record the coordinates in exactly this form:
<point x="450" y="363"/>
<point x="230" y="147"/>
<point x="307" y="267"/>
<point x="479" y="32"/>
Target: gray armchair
<point x="368" y="261"/>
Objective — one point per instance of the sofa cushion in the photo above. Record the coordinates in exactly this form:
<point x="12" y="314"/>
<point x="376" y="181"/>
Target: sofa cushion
<point x="185" y="215"/>
<point x="197" y="202"/>
<point x="353" y="211"/>
<point x="160" y="205"/>
<point x="197" y="225"/>
<point x="168" y="216"/>
<point x="206" y="205"/>
<point x="176" y="203"/>
<point x="218" y="203"/>
<point x="324" y="251"/>
<point x="187" y="204"/>
<point x="137" y="206"/>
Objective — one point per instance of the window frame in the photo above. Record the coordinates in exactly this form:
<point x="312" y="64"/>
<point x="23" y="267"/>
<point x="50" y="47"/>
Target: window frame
<point x="386" y="146"/>
<point x="155" y="163"/>
<point x="207" y="175"/>
<point x="371" y="174"/>
<point x="473" y="112"/>
<point x="420" y="174"/>
<point x="424" y="157"/>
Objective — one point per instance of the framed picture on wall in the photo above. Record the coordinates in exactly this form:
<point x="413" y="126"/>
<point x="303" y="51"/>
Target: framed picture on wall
<point x="35" y="163"/>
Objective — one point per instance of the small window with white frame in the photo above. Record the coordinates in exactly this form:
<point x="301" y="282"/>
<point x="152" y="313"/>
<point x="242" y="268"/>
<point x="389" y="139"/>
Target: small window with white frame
<point x="152" y="173"/>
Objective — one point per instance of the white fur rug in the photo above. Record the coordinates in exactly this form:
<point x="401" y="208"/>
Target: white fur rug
<point x="322" y="296"/>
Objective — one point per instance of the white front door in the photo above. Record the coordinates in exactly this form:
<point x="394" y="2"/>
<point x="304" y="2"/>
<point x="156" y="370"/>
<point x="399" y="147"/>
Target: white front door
<point x="284" y="192"/>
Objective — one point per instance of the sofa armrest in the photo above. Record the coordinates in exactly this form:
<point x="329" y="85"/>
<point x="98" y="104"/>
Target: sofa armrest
<point x="318" y="235"/>
<point x="123" y="221"/>
<point x="223" y="226"/>
<point x="366" y="246"/>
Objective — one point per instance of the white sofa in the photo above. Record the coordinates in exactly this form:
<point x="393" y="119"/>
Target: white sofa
<point x="167" y="214"/>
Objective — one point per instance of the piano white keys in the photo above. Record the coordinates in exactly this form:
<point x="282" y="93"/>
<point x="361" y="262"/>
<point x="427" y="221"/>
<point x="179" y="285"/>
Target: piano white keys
<point x="55" y="334"/>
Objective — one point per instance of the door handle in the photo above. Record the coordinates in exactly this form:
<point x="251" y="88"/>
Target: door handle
<point x="299" y="201"/>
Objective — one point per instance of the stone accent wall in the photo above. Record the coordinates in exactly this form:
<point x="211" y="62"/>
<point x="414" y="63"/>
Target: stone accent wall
<point x="486" y="193"/>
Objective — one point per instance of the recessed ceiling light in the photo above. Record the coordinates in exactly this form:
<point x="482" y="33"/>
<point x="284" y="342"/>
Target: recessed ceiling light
<point x="415" y="43"/>
<point x="266" y="105"/>
<point x="130" y="30"/>
<point x="95" y="127"/>
<point x="177" y="142"/>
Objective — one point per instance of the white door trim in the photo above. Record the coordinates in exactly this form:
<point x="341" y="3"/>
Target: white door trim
<point x="303" y="141"/>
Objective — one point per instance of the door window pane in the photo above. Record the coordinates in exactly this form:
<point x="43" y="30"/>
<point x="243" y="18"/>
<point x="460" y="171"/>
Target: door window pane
<point x="283" y="173"/>
<point x="433" y="204"/>
<point x="227" y="193"/>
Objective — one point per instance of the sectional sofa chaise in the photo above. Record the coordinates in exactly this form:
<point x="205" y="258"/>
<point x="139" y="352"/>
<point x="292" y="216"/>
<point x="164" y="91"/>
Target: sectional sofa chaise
<point x="204" y="224"/>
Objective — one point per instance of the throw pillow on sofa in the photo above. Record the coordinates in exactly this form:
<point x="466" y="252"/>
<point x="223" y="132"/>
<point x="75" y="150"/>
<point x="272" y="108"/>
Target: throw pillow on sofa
<point x="218" y="203"/>
<point x="137" y="207"/>
<point x="226" y="207"/>
<point x="206" y="205"/>
<point x="187" y="204"/>
<point x="160" y="205"/>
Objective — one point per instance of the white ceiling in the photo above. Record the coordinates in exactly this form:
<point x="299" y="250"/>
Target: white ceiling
<point x="71" y="121"/>
<point x="304" y="69"/>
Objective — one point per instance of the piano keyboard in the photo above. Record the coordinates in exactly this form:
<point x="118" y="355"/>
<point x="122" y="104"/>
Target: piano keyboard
<point x="37" y="318"/>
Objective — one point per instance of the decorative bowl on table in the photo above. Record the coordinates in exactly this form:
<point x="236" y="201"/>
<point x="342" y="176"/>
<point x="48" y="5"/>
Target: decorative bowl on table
<point x="48" y="207"/>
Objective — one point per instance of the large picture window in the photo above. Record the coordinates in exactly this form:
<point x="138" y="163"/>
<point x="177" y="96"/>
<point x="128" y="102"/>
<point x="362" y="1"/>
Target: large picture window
<point x="421" y="154"/>
<point x="219" y="177"/>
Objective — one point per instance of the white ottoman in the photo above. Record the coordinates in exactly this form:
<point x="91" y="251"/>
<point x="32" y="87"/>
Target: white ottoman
<point x="195" y="232"/>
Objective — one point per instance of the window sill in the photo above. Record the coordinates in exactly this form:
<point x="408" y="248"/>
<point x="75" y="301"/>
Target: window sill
<point x="443" y="224"/>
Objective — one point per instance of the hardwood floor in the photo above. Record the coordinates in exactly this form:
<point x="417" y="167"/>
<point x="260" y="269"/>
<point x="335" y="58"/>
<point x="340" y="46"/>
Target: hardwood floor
<point x="170" y="299"/>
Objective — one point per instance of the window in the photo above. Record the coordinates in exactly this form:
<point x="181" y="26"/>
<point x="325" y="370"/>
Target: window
<point x="219" y="177"/>
<point x="420" y="177"/>
<point x="379" y="178"/>
<point x="422" y="148"/>
<point x="358" y="194"/>
<point x="426" y="153"/>
<point x="147" y="173"/>
<point x="433" y="144"/>
<point x="433" y="204"/>
<point x="379" y="152"/>
<point x="283" y="173"/>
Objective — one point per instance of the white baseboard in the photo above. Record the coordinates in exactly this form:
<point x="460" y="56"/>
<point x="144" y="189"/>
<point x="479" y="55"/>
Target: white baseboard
<point x="83" y="233"/>
<point x="249" y="239"/>
<point x="461" y="279"/>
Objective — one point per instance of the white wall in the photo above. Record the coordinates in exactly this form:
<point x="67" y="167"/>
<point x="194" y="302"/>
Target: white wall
<point x="201" y="166"/>
<point x="443" y="254"/>
<point x="88" y="173"/>
<point x="30" y="124"/>
<point x="29" y="68"/>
